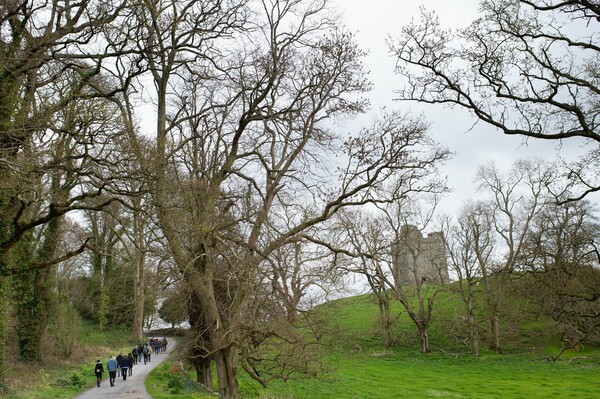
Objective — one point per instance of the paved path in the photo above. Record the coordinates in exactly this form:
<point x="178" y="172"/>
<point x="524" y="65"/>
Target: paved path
<point x="134" y="387"/>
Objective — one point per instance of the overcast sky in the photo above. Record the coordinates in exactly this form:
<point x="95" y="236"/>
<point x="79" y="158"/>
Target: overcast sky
<point x="372" y="21"/>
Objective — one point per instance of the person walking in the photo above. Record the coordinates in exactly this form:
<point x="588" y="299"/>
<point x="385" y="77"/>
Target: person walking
<point x="145" y="351"/>
<point x="134" y="355"/>
<point x="119" y="358"/>
<point x="98" y="370"/>
<point x="140" y="351"/>
<point x="111" y="366"/>
<point x="124" y="367"/>
<point x="131" y="359"/>
<point x="134" y="387"/>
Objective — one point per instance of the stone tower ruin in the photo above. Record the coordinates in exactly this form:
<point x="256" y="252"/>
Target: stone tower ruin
<point x="419" y="258"/>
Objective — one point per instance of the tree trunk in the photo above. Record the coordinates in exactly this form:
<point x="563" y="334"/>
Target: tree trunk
<point x="200" y="341"/>
<point x="220" y="339"/>
<point x="32" y="312"/>
<point x="424" y="339"/>
<point x="36" y="300"/>
<point x="203" y="371"/>
<point x="226" y="355"/>
<point x="139" y="299"/>
<point x="495" y="327"/>
<point x="4" y="307"/>
<point x="227" y="362"/>
<point x="472" y="325"/>
<point x="492" y="300"/>
<point x="384" y="308"/>
<point x="474" y="343"/>
<point x="140" y="223"/>
<point x="474" y="336"/>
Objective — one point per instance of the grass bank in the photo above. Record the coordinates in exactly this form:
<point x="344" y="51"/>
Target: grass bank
<point x="168" y="381"/>
<point x="409" y="374"/>
<point x="357" y="366"/>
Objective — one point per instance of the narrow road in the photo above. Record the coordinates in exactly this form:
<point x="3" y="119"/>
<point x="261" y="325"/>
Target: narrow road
<point x="134" y="387"/>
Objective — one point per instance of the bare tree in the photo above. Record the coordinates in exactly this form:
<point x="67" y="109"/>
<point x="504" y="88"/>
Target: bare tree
<point x="368" y="243"/>
<point x="138" y="232"/>
<point x="393" y="254"/>
<point x="242" y="138"/>
<point x="419" y="262"/>
<point x="70" y="270"/>
<point x="469" y="243"/>
<point x="515" y="199"/>
<point x="526" y="67"/>
<point x="296" y="272"/>
<point x="561" y="256"/>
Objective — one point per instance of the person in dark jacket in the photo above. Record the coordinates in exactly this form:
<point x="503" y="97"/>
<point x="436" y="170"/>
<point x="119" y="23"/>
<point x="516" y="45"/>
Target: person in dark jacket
<point x="140" y="351"/>
<point x="119" y="358"/>
<point x="98" y="370"/>
<point x="134" y="355"/>
<point x="124" y="367"/>
<point x="131" y="358"/>
<point x="146" y="352"/>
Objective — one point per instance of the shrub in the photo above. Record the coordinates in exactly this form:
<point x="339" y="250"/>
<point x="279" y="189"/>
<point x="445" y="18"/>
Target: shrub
<point x="175" y="383"/>
<point x="77" y="379"/>
<point x="66" y="329"/>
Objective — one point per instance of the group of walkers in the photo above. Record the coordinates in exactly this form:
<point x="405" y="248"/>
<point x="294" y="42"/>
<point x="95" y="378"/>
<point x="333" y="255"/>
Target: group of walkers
<point x="122" y="365"/>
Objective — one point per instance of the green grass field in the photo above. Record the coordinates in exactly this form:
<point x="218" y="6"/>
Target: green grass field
<point x="406" y="374"/>
<point x="358" y="366"/>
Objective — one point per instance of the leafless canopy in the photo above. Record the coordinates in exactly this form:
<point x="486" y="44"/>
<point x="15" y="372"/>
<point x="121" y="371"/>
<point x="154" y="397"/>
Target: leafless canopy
<point x="528" y="68"/>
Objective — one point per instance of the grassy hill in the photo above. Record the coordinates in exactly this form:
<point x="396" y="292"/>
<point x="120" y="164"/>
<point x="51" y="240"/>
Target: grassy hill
<point x="360" y="367"/>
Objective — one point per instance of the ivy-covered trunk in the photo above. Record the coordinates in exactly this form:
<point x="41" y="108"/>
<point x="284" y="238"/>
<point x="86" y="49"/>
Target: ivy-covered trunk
<point x="32" y="313"/>
<point x="29" y="306"/>
<point x="36" y="303"/>
<point x="5" y="286"/>
<point x="4" y="307"/>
